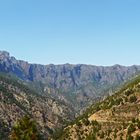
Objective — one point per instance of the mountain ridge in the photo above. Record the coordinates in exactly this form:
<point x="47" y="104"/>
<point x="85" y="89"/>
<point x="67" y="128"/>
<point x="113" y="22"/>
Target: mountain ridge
<point x="7" y="54"/>
<point x="62" y="92"/>
<point x="76" y="85"/>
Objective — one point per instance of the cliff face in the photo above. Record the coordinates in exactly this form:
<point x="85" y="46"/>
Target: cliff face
<point x="75" y="84"/>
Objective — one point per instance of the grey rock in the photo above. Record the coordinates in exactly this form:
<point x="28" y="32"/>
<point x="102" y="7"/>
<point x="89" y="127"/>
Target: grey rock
<point x="76" y="85"/>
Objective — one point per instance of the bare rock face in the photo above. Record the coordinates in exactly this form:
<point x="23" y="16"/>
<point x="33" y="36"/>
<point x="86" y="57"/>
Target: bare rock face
<point x="75" y="84"/>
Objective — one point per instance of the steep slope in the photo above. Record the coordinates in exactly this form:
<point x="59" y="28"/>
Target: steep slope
<point x="17" y="100"/>
<point x="76" y="85"/>
<point x="115" y="118"/>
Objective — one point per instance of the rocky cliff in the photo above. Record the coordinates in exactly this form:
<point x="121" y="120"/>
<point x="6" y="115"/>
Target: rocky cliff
<point x="76" y="85"/>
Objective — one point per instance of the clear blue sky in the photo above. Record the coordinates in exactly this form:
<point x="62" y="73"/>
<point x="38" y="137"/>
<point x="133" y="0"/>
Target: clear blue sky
<point x="98" y="32"/>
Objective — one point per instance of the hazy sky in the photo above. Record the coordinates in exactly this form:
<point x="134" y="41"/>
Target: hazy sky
<point x="98" y="32"/>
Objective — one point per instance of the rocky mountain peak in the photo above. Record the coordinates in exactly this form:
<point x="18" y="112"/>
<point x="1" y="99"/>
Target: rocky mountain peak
<point x="4" y="55"/>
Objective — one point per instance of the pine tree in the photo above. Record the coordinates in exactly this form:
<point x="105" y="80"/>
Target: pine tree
<point x="25" y="129"/>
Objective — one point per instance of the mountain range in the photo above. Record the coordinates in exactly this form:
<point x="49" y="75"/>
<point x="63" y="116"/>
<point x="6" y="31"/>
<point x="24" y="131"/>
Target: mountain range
<point x="54" y="95"/>
<point x="76" y="85"/>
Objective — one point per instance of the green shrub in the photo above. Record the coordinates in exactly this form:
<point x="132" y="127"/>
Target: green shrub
<point x="129" y="137"/>
<point x="91" y="136"/>
<point x="128" y="92"/>
<point x="137" y="137"/>
<point x="86" y="121"/>
<point x="94" y="123"/>
<point x="118" y="101"/>
<point x="133" y="120"/>
<point x="131" y="129"/>
<point x="25" y="129"/>
<point x="133" y="99"/>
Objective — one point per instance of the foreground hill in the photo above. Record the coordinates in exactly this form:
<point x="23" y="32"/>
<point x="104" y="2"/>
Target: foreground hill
<point x="115" y="118"/>
<point x="17" y="100"/>
<point x="76" y="85"/>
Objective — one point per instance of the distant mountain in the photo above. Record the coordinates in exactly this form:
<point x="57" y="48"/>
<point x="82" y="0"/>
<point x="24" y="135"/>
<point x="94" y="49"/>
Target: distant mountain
<point x="76" y="85"/>
<point x="17" y="100"/>
<point x="115" y="118"/>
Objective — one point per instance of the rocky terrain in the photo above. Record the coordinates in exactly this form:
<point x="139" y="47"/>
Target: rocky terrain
<point x="115" y="118"/>
<point x="17" y="100"/>
<point x="53" y="95"/>
<point x="76" y="85"/>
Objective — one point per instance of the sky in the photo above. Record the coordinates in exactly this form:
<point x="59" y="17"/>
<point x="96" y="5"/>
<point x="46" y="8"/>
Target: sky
<point x="97" y="32"/>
